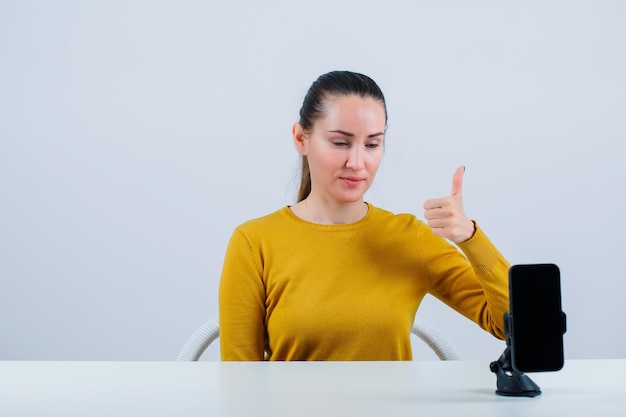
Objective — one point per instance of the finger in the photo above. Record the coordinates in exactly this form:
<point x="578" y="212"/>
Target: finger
<point x="434" y="203"/>
<point x="439" y="213"/>
<point x="457" y="181"/>
<point x="438" y="203"/>
<point x="438" y="223"/>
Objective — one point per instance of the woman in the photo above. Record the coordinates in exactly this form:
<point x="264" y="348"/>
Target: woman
<point x="334" y="278"/>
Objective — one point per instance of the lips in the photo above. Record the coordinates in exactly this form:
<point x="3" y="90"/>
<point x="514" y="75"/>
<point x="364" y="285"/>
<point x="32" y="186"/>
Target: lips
<point x="352" y="181"/>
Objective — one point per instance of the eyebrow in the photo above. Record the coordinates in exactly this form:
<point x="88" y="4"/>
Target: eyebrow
<point x="343" y="132"/>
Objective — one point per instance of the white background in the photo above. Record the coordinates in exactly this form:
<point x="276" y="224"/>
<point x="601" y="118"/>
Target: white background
<point x="135" y="135"/>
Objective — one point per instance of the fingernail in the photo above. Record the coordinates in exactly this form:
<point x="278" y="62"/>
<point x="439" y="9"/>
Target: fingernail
<point x="463" y="168"/>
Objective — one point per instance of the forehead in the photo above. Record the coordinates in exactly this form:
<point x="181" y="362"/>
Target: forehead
<point x="354" y="109"/>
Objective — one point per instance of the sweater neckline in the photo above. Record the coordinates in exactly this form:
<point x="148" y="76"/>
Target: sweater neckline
<point x="320" y="226"/>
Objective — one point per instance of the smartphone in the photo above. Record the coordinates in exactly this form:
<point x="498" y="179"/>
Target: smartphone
<point x="536" y="318"/>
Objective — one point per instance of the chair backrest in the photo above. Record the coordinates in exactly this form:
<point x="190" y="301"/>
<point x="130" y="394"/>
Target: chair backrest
<point x="210" y="331"/>
<point x="200" y="340"/>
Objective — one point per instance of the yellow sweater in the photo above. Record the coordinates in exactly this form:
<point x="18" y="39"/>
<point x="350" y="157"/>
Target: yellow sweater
<point x="304" y="291"/>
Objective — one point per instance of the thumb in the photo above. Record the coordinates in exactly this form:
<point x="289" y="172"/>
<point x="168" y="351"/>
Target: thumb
<point x="457" y="181"/>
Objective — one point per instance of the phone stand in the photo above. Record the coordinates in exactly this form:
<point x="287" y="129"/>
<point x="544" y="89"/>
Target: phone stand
<point x="536" y="290"/>
<point x="510" y="382"/>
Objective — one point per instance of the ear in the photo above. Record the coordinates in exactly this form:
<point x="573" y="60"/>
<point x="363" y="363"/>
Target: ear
<point x="300" y="139"/>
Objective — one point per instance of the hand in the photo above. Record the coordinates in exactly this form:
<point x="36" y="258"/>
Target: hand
<point x="446" y="216"/>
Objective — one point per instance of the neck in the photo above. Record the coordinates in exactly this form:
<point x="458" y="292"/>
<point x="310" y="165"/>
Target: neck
<point x="321" y="212"/>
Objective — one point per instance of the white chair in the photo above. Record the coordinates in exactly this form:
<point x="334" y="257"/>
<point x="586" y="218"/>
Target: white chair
<point x="210" y="330"/>
<point x="436" y="340"/>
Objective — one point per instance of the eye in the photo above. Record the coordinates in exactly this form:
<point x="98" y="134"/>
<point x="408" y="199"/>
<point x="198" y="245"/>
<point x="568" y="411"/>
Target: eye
<point x="340" y="143"/>
<point x="373" y="145"/>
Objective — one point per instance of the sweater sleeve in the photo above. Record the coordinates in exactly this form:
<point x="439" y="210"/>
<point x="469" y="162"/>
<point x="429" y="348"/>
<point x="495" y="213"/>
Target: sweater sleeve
<point x="475" y="285"/>
<point x="241" y="302"/>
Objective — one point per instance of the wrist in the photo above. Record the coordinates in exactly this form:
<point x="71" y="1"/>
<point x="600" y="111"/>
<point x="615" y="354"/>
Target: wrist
<point x="471" y="231"/>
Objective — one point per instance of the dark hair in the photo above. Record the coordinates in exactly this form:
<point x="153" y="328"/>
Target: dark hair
<point x="334" y="83"/>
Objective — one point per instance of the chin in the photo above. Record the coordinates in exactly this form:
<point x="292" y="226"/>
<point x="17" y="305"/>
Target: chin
<point x="348" y="199"/>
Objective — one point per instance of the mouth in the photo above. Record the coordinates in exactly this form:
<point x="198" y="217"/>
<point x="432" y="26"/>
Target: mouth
<point x="352" y="181"/>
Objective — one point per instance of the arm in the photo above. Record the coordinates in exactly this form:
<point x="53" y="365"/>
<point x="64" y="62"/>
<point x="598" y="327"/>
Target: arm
<point x="475" y="285"/>
<point x="241" y="302"/>
<point x="492" y="270"/>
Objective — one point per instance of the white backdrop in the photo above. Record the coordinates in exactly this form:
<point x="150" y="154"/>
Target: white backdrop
<point x="135" y="135"/>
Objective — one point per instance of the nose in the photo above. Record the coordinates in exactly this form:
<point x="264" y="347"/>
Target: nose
<point x="355" y="159"/>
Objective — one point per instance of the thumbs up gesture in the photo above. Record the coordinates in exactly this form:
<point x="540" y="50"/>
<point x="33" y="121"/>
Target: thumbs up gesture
<point x="446" y="216"/>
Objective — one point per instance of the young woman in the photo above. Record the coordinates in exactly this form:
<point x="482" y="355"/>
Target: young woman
<point x="334" y="278"/>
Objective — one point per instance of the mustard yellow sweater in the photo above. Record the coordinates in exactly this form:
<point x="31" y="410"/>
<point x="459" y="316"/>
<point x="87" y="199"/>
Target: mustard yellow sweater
<point x="305" y="291"/>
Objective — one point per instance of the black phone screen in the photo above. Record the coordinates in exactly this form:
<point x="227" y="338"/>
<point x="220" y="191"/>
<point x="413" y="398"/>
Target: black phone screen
<point x="538" y="322"/>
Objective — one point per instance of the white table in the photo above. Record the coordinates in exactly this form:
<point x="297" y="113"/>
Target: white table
<point x="590" y="388"/>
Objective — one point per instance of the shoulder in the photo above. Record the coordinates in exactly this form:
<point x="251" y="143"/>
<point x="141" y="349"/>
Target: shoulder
<point x="390" y="219"/>
<point x="256" y="232"/>
<point x="267" y="221"/>
<point x="279" y="225"/>
<point x="267" y="218"/>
